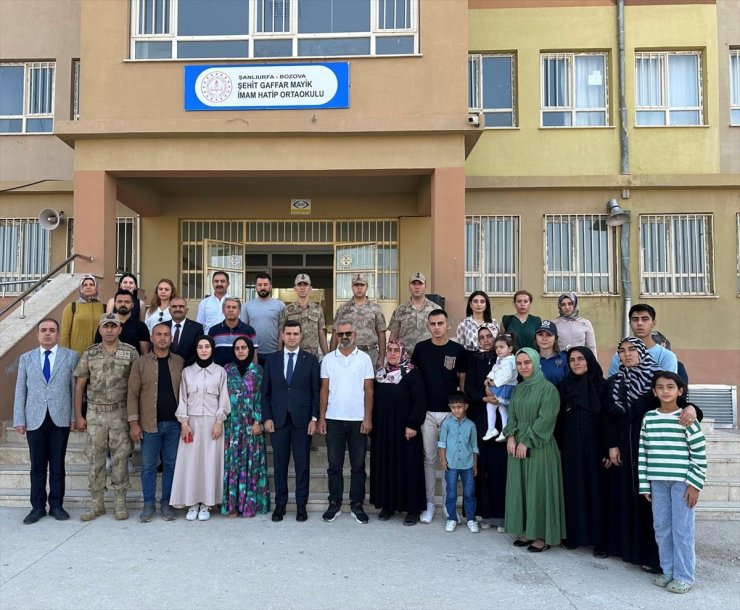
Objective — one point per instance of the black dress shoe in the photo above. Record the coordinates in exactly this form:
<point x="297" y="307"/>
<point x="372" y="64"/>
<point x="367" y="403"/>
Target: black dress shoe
<point x="301" y="514"/>
<point x="34" y="516"/>
<point x="522" y="542"/>
<point x="59" y="513"/>
<point x="278" y="513"/>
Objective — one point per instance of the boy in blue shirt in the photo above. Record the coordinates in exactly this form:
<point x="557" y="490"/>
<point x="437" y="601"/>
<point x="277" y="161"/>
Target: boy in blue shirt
<point x="458" y="456"/>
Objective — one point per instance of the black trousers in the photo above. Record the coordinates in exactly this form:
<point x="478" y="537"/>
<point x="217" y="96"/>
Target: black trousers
<point x="47" y="446"/>
<point x="341" y="434"/>
<point x="286" y="439"/>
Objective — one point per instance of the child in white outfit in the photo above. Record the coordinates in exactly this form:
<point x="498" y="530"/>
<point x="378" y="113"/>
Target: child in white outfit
<point x="500" y="384"/>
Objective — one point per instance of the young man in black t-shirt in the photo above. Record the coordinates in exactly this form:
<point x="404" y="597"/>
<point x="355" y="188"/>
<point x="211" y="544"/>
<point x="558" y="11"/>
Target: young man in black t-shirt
<point x="442" y="364"/>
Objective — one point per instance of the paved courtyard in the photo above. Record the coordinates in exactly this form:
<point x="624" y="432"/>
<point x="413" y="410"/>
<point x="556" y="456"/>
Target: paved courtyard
<point x="227" y="563"/>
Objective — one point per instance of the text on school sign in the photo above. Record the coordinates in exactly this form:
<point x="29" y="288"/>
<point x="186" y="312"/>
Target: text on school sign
<point x="265" y="87"/>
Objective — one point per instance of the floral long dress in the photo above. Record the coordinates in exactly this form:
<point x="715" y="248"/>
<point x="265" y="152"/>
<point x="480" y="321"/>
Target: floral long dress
<point x="246" y="491"/>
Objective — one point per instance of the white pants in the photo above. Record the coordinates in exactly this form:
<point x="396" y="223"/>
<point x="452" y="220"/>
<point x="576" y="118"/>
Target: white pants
<point x="430" y="435"/>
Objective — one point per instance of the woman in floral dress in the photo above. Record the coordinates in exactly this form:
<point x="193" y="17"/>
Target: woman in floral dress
<point x="246" y="492"/>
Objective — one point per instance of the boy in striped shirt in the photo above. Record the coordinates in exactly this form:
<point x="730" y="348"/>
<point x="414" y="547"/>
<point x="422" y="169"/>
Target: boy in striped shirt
<point x="671" y="468"/>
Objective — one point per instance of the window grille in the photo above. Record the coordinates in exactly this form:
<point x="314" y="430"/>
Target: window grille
<point x="491" y="88"/>
<point x="492" y="254"/>
<point x="24" y="254"/>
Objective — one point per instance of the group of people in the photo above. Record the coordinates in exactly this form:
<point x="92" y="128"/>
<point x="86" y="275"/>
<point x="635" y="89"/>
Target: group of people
<point x="546" y="448"/>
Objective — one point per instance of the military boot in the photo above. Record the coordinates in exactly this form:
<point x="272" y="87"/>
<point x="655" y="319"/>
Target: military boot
<point x="95" y="508"/>
<point x="120" y="511"/>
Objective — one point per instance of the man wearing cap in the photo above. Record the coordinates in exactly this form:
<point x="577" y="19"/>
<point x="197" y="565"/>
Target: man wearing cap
<point x="553" y="362"/>
<point x="367" y="321"/>
<point x="309" y="315"/>
<point x="104" y="368"/>
<point x="263" y="314"/>
<point x="409" y="321"/>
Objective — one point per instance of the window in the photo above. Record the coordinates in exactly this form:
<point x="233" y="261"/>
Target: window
<point x="737" y="235"/>
<point x="492" y="254"/>
<point x="166" y="29"/>
<point x="668" y="89"/>
<point x="27" y="97"/>
<point x="491" y="89"/>
<point x="75" y="89"/>
<point x="127" y="243"/>
<point x="676" y="253"/>
<point x="735" y="87"/>
<point x="574" y="91"/>
<point x="579" y="254"/>
<point x="24" y="253"/>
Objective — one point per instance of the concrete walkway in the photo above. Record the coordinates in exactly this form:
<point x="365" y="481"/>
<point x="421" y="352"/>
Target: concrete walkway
<point x="238" y="563"/>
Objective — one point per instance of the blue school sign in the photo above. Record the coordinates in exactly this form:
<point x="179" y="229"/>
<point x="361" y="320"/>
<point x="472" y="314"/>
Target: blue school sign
<point x="267" y="86"/>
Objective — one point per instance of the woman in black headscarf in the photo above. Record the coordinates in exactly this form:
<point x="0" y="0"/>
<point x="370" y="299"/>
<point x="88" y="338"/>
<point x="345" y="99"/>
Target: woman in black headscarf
<point x="580" y="433"/>
<point x="631" y="534"/>
<point x="490" y="484"/>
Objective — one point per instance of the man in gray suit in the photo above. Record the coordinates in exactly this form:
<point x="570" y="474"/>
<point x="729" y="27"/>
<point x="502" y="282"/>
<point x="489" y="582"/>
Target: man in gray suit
<point x="43" y="411"/>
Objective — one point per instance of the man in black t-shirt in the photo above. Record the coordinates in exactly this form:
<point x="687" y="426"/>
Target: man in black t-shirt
<point x="133" y="331"/>
<point x="442" y="364"/>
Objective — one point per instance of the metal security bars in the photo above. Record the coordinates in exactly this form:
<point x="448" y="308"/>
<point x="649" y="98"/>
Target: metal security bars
<point x="492" y="254"/>
<point x="75" y="90"/>
<point x="127" y="243"/>
<point x="491" y="88"/>
<point x="734" y="86"/>
<point x="676" y="254"/>
<point x="579" y="254"/>
<point x="24" y="253"/>
<point x="27" y="97"/>
<point x="574" y="90"/>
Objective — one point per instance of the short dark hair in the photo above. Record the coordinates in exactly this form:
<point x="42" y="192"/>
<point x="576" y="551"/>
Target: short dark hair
<point x="125" y="293"/>
<point x="167" y="324"/>
<point x="457" y="397"/>
<point x="293" y="324"/>
<point x="438" y="312"/>
<point x="642" y="307"/>
<point x="56" y="323"/>
<point x="226" y="275"/>
<point x="263" y="276"/>
<point x="669" y="375"/>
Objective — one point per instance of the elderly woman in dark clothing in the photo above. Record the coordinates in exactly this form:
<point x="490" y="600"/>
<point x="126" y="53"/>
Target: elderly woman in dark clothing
<point x="631" y="534"/>
<point x="490" y="484"/>
<point x="580" y="432"/>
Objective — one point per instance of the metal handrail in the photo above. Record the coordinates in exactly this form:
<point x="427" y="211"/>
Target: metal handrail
<point x="22" y="297"/>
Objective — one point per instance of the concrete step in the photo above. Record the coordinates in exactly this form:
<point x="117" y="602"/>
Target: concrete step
<point x="718" y="511"/>
<point x="721" y="489"/>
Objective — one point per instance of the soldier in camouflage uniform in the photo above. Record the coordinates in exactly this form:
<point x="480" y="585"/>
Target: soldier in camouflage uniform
<point x="409" y="321"/>
<point x="104" y="368"/>
<point x="310" y="315"/>
<point x="367" y="320"/>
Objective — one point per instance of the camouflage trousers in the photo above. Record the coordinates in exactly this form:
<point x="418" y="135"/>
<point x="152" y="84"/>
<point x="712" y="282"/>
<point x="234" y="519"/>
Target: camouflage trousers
<point x="107" y="428"/>
<point x="373" y="353"/>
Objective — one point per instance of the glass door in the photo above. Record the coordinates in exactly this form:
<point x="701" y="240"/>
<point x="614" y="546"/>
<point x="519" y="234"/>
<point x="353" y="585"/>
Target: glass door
<point x="229" y="257"/>
<point x="350" y="259"/>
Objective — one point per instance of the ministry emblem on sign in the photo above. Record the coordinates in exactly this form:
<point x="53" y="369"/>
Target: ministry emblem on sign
<point x="216" y="86"/>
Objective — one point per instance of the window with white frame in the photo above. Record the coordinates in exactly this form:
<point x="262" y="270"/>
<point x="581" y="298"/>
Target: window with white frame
<point x="668" y="88"/>
<point x="492" y="254"/>
<point x="24" y="254"/>
<point x="737" y="241"/>
<point x="676" y="252"/>
<point x="579" y="254"/>
<point x="491" y="88"/>
<point x="190" y="29"/>
<point x="75" y="89"/>
<point x="27" y="97"/>
<point x="574" y="90"/>
<point x="735" y="87"/>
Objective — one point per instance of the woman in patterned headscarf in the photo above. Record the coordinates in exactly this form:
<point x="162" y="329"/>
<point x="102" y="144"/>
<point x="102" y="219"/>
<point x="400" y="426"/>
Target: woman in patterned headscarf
<point x="397" y="451"/>
<point x="631" y="534"/>
<point x="573" y="330"/>
<point x="80" y="318"/>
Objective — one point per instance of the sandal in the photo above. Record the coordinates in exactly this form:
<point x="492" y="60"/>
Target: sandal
<point x="522" y="542"/>
<point x="662" y="580"/>
<point x="384" y="515"/>
<point x="537" y="549"/>
<point x="411" y="519"/>
<point x="678" y="586"/>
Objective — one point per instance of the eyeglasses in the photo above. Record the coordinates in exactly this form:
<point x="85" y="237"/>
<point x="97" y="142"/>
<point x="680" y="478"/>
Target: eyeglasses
<point x="348" y="333"/>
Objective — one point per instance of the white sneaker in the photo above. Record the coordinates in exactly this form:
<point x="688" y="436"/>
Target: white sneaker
<point x="501" y="529"/>
<point x="428" y="514"/>
<point x="490" y="434"/>
<point x="473" y="526"/>
<point x="450" y="525"/>
<point x="205" y="513"/>
<point x="501" y="438"/>
<point x="192" y="512"/>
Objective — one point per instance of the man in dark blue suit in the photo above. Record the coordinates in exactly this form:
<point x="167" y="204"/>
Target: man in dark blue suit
<point x="185" y="332"/>
<point x="290" y="409"/>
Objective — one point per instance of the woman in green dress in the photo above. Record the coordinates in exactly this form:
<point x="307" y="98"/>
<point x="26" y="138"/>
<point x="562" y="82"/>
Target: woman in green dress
<point x="534" y="480"/>
<point x="522" y="325"/>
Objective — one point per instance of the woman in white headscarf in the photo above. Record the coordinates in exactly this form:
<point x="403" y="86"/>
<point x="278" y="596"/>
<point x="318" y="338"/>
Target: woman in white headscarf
<point x="573" y="330"/>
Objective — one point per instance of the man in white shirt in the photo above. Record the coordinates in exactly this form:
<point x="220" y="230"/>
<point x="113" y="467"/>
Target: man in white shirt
<point x="210" y="308"/>
<point x="345" y="417"/>
<point x="642" y="323"/>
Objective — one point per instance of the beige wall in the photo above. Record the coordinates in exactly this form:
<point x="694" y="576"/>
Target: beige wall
<point x="728" y="33"/>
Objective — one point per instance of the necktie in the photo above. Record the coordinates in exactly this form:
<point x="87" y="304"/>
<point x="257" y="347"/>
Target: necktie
<point x="289" y="372"/>
<point x="176" y="340"/>
<point x="47" y="365"/>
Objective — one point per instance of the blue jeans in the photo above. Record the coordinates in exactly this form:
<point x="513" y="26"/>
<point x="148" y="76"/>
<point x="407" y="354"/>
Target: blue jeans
<point x="468" y="485"/>
<point x="165" y="439"/>
<point x="673" y="522"/>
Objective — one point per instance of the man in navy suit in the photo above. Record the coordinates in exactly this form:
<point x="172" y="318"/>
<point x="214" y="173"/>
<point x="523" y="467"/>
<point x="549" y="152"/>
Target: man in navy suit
<point x="44" y="396"/>
<point x="290" y="409"/>
<point x="185" y="332"/>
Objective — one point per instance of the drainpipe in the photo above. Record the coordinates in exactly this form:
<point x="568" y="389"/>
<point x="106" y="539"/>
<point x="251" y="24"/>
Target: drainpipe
<point x="624" y="170"/>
